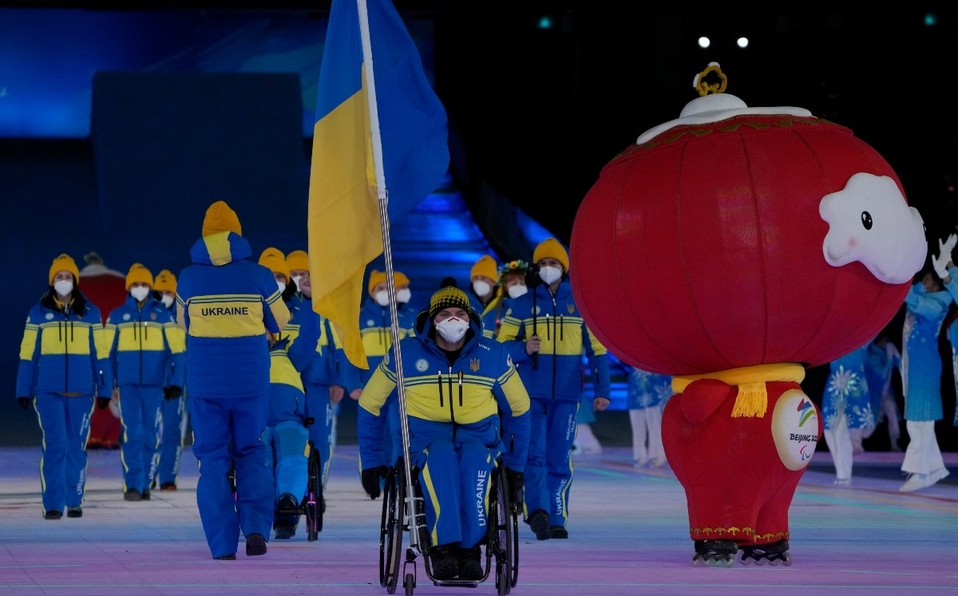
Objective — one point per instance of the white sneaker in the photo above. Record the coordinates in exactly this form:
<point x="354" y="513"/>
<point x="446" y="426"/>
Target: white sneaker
<point x="842" y="482"/>
<point x="920" y="481"/>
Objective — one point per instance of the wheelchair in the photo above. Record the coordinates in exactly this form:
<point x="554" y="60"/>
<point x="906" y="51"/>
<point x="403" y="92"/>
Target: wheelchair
<point x="313" y="504"/>
<point x="501" y="541"/>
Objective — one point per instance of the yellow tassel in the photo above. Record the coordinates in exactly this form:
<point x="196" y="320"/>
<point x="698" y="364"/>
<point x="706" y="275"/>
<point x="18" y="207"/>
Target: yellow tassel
<point x="751" y="401"/>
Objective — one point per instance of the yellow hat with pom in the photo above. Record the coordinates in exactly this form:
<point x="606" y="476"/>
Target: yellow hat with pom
<point x="164" y="281"/>
<point x="298" y="260"/>
<point x="551" y="249"/>
<point x="64" y="263"/>
<point x="138" y="273"/>
<point x="376" y="278"/>
<point x="220" y="218"/>
<point x="274" y="260"/>
<point x="485" y="267"/>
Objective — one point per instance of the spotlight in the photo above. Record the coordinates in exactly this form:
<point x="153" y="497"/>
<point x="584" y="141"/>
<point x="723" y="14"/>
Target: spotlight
<point x="545" y="22"/>
<point x="742" y="42"/>
<point x="704" y="42"/>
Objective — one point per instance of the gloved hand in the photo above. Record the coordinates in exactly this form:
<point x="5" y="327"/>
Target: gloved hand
<point x="940" y="263"/>
<point x="24" y="403"/>
<point x="949" y="244"/>
<point x="172" y="392"/>
<point x="516" y="480"/>
<point x="371" y="481"/>
<point x="102" y="402"/>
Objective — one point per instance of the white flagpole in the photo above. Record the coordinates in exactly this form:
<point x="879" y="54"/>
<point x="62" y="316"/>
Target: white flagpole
<point x="383" y="197"/>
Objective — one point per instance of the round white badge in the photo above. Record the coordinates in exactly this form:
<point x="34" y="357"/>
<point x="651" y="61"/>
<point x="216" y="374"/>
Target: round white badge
<point x="49" y="315"/>
<point x="422" y="365"/>
<point x="795" y="429"/>
<point x="126" y="317"/>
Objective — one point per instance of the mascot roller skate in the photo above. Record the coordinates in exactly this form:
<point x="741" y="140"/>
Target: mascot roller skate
<point x="733" y="248"/>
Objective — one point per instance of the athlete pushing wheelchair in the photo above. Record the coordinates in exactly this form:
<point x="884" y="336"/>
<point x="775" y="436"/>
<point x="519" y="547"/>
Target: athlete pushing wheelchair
<point x="462" y="455"/>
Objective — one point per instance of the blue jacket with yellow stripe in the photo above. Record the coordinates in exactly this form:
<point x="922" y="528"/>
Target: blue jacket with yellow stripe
<point x="287" y="399"/>
<point x="564" y="337"/>
<point x="63" y="351"/>
<point x="227" y="304"/>
<point x="467" y="393"/>
<point x="315" y="348"/>
<point x="146" y="345"/>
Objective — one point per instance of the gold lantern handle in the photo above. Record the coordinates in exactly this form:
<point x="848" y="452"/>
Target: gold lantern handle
<point x="704" y="88"/>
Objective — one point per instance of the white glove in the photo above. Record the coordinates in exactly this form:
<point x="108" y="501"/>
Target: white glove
<point x="940" y="263"/>
<point x="949" y="244"/>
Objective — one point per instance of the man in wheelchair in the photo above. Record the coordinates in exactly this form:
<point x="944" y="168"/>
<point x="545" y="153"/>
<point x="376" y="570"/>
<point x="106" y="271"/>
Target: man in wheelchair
<point x="456" y="381"/>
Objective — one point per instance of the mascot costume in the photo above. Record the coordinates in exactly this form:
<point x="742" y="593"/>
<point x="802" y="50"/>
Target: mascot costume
<point x="733" y="248"/>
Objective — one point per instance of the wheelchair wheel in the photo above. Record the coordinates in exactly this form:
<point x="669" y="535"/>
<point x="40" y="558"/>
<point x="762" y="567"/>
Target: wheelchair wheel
<point x="503" y="541"/>
<point x="390" y="534"/>
<point x="314" y="497"/>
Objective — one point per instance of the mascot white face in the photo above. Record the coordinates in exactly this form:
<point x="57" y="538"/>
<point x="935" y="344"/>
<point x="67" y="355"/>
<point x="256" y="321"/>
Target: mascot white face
<point x="870" y="222"/>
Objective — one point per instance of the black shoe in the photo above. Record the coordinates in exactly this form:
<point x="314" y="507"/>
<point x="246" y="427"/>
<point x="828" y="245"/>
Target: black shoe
<point x="288" y="502"/>
<point x="559" y="533"/>
<point x="284" y="531"/>
<point x="255" y="545"/>
<point x="145" y="495"/>
<point x="74" y="512"/>
<point x="470" y="563"/>
<point x="539" y="522"/>
<point x="444" y="562"/>
<point x="132" y="495"/>
<point x="168" y="486"/>
<point x="231" y="557"/>
<point x="52" y="514"/>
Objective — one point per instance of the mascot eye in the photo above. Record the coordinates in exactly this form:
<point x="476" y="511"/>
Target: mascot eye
<point x="867" y="220"/>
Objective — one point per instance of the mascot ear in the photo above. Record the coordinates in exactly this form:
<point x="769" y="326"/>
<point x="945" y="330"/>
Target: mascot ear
<point x="702" y="397"/>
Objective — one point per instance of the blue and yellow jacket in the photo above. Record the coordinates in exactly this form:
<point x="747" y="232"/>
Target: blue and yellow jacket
<point x="146" y="345"/>
<point x="564" y="338"/>
<point x="64" y="351"/>
<point x="287" y="400"/>
<point x="375" y="326"/>
<point x="227" y="304"/>
<point x="468" y="393"/>
<point x="490" y="314"/>
<point x="315" y="348"/>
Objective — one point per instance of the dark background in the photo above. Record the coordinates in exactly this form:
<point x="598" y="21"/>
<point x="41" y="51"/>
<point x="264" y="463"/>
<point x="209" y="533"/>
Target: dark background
<point x="536" y="112"/>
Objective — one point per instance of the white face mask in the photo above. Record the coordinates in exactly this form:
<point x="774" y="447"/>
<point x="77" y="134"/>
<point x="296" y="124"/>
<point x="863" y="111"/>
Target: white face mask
<point x="517" y="290"/>
<point x="452" y="329"/>
<point x="550" y="274"/>
<point x="140" y="293"/>
<point x="296" y="279"/>
<point x="281" y="286"/>
<point x="403" y="295"/>
<point x="481" y="288"/>
<point x="382" y="298"/>
<point x="63" y="287"/>
<point x="167" y="300"/>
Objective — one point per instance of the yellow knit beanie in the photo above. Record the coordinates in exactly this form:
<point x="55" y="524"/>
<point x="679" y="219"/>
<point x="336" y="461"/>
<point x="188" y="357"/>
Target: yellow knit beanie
<point x="220" y="218"/>
<point x="64" y="263"/>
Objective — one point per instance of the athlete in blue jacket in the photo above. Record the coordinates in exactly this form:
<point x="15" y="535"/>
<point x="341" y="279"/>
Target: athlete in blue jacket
<point x="547" y="321"/>
<point x="174" y="409"/>
<point x="456" y="382"/>
<point x="147" y="358"/>
<point x="63" y="364"/>
<point x="316" y="352"/>
<point x="231" y="310"/>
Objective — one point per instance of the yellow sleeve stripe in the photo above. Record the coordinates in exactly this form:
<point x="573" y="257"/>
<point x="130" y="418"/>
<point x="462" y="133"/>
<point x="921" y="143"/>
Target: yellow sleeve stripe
<point x="29" y="343"/>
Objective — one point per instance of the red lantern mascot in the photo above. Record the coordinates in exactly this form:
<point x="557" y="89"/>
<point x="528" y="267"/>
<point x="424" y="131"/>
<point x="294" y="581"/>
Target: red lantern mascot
<point x="732" y="248"/>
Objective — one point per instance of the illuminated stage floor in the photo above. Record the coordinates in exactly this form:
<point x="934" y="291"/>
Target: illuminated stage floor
<point x="628" y="536"/>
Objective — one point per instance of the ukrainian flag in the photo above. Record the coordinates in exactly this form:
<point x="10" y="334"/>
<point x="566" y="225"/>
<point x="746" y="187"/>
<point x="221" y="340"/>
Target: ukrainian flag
<point x="343" y="222"/>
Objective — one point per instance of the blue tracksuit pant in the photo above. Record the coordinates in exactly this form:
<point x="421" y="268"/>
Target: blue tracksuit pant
<point x="320" y="431"/>
<point x="171" y="440"/>
<point x="548" y="471"/>
<point x="140" y="416"/>
<point x="227" y="430"/>
<point x="65" y="424"/>
<point x="286" y="443"/>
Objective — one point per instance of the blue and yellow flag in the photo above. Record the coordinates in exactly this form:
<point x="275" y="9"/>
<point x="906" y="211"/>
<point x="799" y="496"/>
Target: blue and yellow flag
<point x="343" y="223"/>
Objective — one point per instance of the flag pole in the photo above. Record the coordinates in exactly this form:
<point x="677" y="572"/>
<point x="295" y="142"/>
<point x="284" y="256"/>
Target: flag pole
<point x="383" y="198"/>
